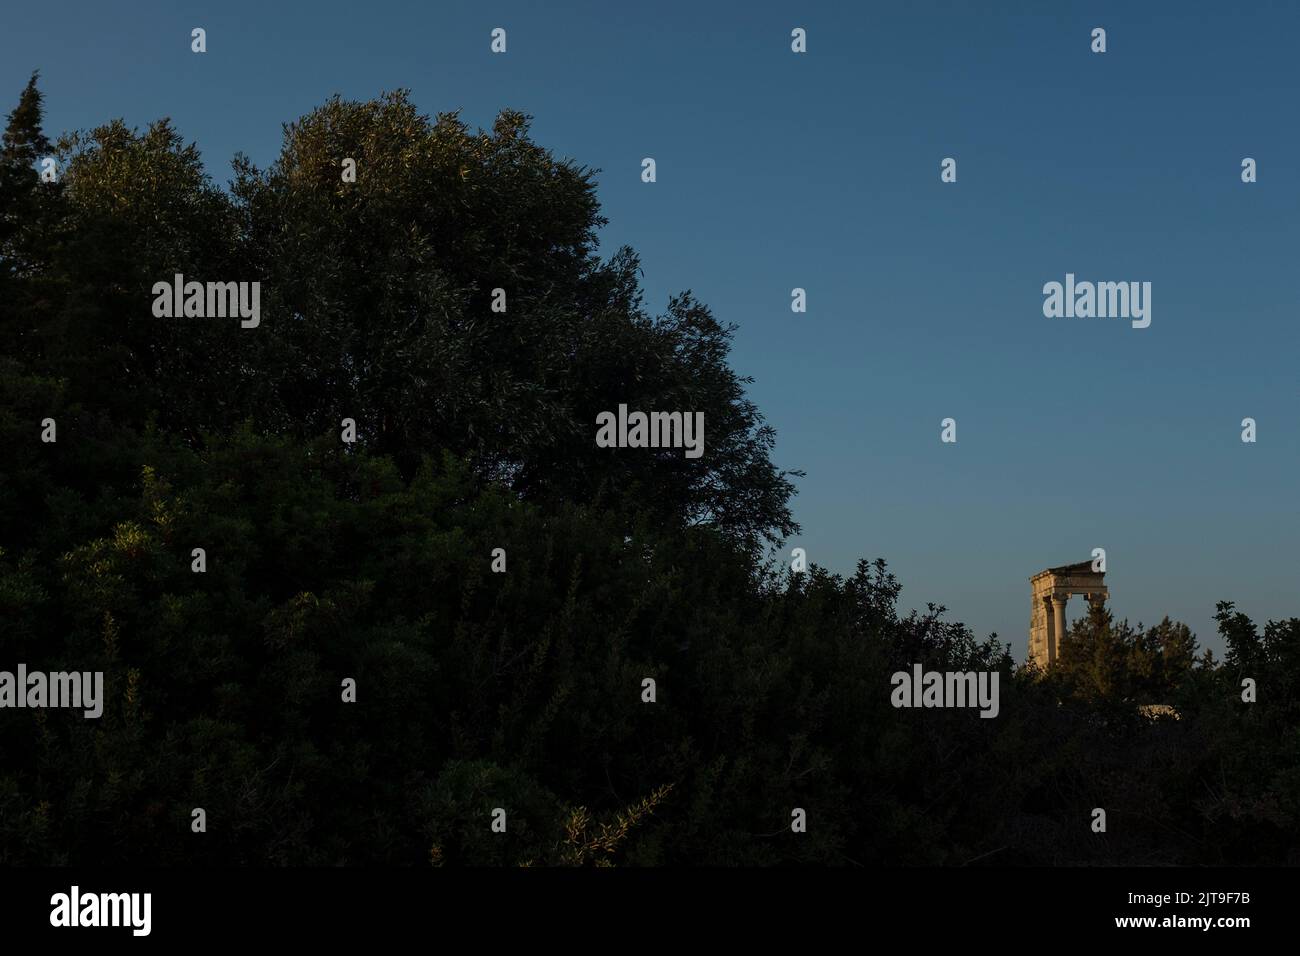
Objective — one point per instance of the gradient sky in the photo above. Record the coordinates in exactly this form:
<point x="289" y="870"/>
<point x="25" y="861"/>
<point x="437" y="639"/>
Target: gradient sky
<point x="822" y="171"/>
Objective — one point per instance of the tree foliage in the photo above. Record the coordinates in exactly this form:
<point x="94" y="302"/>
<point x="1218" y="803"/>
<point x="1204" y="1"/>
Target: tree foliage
<point x="372" y="562"/>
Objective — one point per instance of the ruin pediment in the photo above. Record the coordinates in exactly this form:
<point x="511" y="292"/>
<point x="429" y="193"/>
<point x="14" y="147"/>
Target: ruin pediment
<point x="1079" y="567"/>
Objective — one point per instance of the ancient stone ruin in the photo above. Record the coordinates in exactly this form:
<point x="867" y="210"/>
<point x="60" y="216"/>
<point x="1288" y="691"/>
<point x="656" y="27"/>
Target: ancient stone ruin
<point x="1052" y="588"/>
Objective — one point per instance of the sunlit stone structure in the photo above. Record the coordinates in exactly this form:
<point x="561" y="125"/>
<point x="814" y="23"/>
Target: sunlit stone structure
<point x="1052" y="588"/>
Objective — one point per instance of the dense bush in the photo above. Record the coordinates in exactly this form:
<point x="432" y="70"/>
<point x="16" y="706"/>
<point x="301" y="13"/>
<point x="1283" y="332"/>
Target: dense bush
<point x="373" y="561"/>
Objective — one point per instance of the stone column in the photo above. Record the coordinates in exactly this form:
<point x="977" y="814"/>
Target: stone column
<point x="1049" y="650"/>
<point x="1058" y="607"/>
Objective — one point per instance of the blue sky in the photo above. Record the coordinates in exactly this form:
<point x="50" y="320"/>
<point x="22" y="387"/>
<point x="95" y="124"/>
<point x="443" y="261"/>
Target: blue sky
<point x="821" y="171"/>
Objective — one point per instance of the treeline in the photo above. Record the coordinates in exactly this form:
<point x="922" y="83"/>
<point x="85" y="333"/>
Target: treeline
<point x="327" y="562"/>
